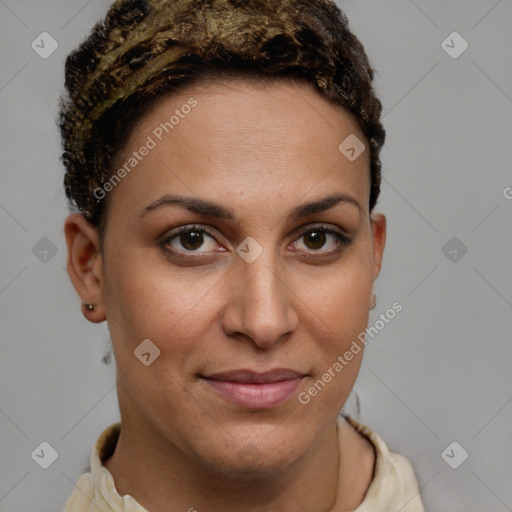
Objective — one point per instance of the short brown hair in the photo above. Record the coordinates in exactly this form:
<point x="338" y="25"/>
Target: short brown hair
<point x="144" y="49"/>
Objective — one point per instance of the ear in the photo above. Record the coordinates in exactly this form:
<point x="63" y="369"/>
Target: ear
<point x="84" y="264"/>
<point x="378" y="221"/>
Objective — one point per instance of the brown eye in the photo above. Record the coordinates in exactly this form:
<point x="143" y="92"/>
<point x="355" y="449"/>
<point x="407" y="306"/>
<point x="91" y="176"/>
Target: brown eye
<point x="190" y="239"/>
<point x="318" y="237"/>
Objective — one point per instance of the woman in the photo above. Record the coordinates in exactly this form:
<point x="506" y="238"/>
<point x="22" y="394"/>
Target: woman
<point x="224" y="160"/>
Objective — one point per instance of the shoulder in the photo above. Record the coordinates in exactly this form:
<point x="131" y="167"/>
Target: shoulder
<point x="394" y="484"/>
<point x="85" y="493"/>
<point x="82" y="496"/>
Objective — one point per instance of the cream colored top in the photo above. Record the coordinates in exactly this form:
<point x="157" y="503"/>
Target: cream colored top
<point x="394" y="486"/>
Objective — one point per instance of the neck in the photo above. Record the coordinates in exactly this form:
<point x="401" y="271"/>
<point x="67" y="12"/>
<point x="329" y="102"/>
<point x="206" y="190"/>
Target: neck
<point x="161" y="476"/>
<point x="161" y="480"/>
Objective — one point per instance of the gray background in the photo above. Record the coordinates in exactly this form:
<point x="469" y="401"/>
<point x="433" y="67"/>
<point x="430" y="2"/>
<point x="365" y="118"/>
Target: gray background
<point x="438" y="373"/>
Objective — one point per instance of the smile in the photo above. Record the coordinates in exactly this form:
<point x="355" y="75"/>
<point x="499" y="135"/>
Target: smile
<point x="253" y="390"/>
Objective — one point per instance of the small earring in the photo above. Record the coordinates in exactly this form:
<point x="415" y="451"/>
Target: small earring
<point x="88" y="307"/>
<point x="373" y="301"/>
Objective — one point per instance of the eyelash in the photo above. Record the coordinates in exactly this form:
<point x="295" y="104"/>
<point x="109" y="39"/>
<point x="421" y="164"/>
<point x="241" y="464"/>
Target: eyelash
<point x="343" y="240"/>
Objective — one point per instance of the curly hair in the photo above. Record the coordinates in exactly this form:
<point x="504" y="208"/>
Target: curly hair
<point x="144" y="49"/>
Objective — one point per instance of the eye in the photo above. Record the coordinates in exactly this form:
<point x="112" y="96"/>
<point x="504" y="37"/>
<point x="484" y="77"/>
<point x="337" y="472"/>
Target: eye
<point x="190" y="239"/>
<point x="197" y="239"/>
<point x="317" y="237"/>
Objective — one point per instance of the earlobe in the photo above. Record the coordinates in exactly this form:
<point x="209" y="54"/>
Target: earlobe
<point x="84" y="265"/>
<point x="379" y="240"/>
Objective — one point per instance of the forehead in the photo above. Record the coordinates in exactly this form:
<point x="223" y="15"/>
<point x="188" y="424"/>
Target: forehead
<point x="245" y="136"/>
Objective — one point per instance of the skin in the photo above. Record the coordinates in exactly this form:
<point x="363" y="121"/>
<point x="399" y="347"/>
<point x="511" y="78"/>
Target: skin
<point x="259" y="150"/>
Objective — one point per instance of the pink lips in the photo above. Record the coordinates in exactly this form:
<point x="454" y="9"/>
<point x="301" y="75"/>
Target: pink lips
<point x="250" y="389"/>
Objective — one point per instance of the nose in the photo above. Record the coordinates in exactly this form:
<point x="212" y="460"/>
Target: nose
<point x="260" y="304"/>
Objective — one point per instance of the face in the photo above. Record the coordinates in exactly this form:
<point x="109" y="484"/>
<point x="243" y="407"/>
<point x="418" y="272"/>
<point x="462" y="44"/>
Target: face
<point x="241" y="245"/>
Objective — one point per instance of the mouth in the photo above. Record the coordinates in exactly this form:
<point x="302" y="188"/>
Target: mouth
<point x="254" y="390"/>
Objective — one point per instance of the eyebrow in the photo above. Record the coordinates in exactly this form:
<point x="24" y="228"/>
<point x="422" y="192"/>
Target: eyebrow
<point x="209" y="208"/>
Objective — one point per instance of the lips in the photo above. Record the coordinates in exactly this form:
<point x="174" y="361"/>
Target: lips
<point x="250" y="389"/>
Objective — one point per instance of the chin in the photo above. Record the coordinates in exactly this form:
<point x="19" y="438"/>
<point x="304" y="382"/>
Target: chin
<point x="256" y="449"/>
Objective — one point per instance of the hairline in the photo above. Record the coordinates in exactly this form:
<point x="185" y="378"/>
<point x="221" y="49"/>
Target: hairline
<point x="212" y="76"/>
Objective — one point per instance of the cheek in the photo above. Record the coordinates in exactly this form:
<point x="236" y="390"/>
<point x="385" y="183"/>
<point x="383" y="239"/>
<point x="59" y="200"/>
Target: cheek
<point x="341" y="304"/>
<point x="342" y="295"/>
<point x="339" y="351"/>
<point x="173" y="307"/>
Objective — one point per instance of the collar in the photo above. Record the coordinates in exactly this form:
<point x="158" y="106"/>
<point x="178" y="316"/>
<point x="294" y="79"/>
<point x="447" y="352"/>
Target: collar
<point x="387" y="485"/>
